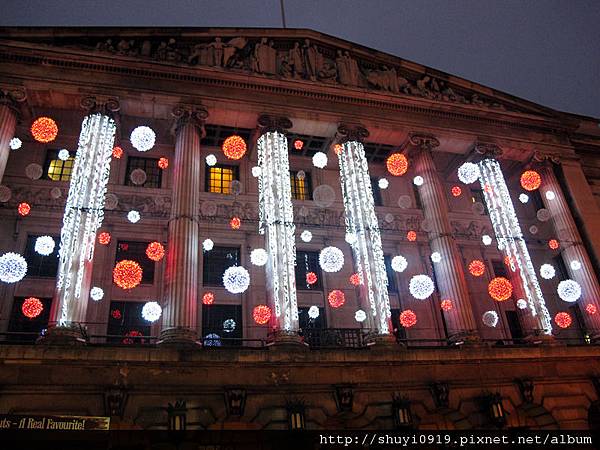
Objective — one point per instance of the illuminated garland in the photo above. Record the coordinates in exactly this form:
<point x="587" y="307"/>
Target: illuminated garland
<point x="127" y="274"/>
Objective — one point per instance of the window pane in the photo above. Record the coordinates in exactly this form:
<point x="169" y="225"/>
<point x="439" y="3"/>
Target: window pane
<point x="38" y="265"/>
<point x="148" y="165"/>
<point x="216" y="261"/>
<point x="301" y="188"/>
<point x="126" y="318"/>
<point x="376" y="192"/>
<point x="57" y="169"/>
<point x="219" y="178"/>
<point x="308" y="262"/>
<point x="391" y="275"/>
<point x="136" y="251"/>
<point x="222" y="323"/>
<point x="499" y="268"/>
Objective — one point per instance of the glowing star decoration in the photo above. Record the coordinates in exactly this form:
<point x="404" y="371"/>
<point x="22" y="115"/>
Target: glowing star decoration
<point x="360" y="316"/>
<point x="117" y="152"/>
<point x="331" y="259"/>
<point x="521" y="303"/>
<point x="208" y="245"/>
<point x="44" y="245"/>
<point x="383" y="183"/>
<point x="476" y="267"/>
<point x="64" y="154"/>
<point x="456" y="191"/>
<point x="306" y="236"/>
<point x="211" y="160"/>
<point x="319" y="160"/>
<point x="155" y="251"/>
<point x="163" y="163"/>
<point x="298" y="144"/>
<point x="591" y="309"/>
<point x="500" y="289"/>
<point x="143" y="138"/>
<point x="32" y="307"/>
<point x="234" y="147"/>
<point x="313" y="312"/>
<point x="23" y="209"/>
<point x="15" y="143"/>
<point x="236" y="279"/>
<point x="550" y="195"/>
<point x="569" y="290"/>
<point x="261" y="314"/>
<point x="530" y="180"/>
<point x="336" y="298"/>
<point x="523" y="198"/>
<point x="397" y="164"/>
<point x="44" y="130"/>
<point x="259" y="256"/>
<point x="575" y="265"/>
<point x="487" y="240"/>
<point x="350" y="238"/>
<point x="468" y="173"/>
<point x="235" y="223"/>
<point x="418" y="180"/>
<point x="490" y="319"/>
<point x="446" y="305"/>
<point x="229" y="325"/>
<point x="399" y="263"/>
<point x="96" y="294"/>
<point x="436" y="257"/>
<point x="408" y="318"/>
<point x="421" y="286"/>
<point x="151" y="311"/>
<point x="547" y="271"/>
<point x="127" y="274"/>
<point x="13" y="267"/>
<point x="133" y="216"/>
<point x="256" y="171"/>
<point x="355" y="279"/>
<point x="208" y="298"/>
<point x="563" y="319"/>
<point x="104" y="238"/>
<point x="411" y="236"/>
<point x="553" y="244"/>
<point x="311" y="278"/>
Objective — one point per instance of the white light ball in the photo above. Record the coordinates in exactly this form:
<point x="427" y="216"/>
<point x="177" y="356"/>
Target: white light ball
<point x="211" y="160"/>
<point x="418" y="180"/>
<point x="229" y="325"/>
<point x="256" y="171"/>
<point x="212" y="340"/>
<point x="550" y="195"/>
<point x="490" y="318"/>
<point x="569" y="290"/>
<point x="133" y="216"/>
<point x="313" y="312"/>
<point x="208" y="245"/>
<point x="143" y="138"/>
<point x="15" y="143"/>
<point x="523" y="198"/>
<point x="421" y="286"/>
<point x="96" y="293"/>
<point x="13" y="267"/>
<point x="383" y="183"/>
<point x="360" y="315"/>
<point x="236" y="279"/>
<point x="351" y="238"/>
<point x="64" y="154"/>
<point x="306" y="236"/>
<point x="151" y="311"/>
<point x="487" y="240"/>
<point x="575" y="265"/>
<point x="547" y="271"/>
<point x="259" y="256"/>
<point x="436" y="257"/>
<point x="44" y="245"/>
<point x="331" y="259"/>
<point x="521" y="303"/>
<point x="301" y="175"/>
<point x="399" y="263"/>
<point x="319" y="160"/>
<point x="468" y="173"/>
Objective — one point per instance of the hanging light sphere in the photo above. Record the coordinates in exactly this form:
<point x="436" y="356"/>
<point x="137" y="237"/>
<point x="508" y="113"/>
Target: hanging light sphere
<point x="530" y="180"/>
<point x="208" y="245"/>
<point x="421" y="286"/>
<point x="234" y="147"/>
<point x="408" y="318"/>
<point x="236" y="279"/>
<point x="446" y="304"/>
<point x="523" y="198"/>
<point x="550" y="195"/>
<point x="490" y="319"/>
<point x="23" y="209"/>
<point x="456" y="191"/>
<point x="256" y="171"/>
<point x="44" y="130"/>
<point x="133" y="216"/>
<point x="338" y="148"/>
<point x="468" y="173"/>
<point x="44" y="245"/>
<point x="436" y="257"/>
<point x="116" y="314"/>
<point x="476" y="267"/>
<point x="311" y="278"/>
<point x="418" y="180"/>
<point x="360" y="316"/>
<point x="306" y="236"/>
<point x="261" y="314"/>
<point x="96" y="293"/>
<point x="235" y="223"/>
<point x="298" y="144"/>
<point x="553" y="244"/>
<point x="104" y="238"/>
<point x="521" y="303"/>
<point x="569" y="290"/>
<point x="591" y="309"/>
<point x="547" y="271"/>
<point x="208" y="298"/>
<point x="127" y="274"/>
<point x="13" y="267"/>
<point x="331" y="259"/>
<point x="15" y="143"/>
<point x="355" y="279"/>
<point x="336" y="298"/>
<point x="319" y="160"/>
<point x="117" y="152"/>
<point x="411" y="236"/>
<point x="211" y="160"/>
<point x="397" y="164"/>
<point x="575" y="265"/>
<point x="500" y="289"/>
<point x="313" y="312"/>
<point x="151" y="311"/>
<point x="350" y="238"/>
<point x="163" y="163"/>
<point x="259" y="256"/>
<point x="32" y="307"/>
<point x="155" y="251"/>
<point x="142" y="138"/>
<point x="383" y="183"/>
<point x="563" y="319"/>
<point x="399" y="263"/>
<point x="64" y="154"/>
<point x="487" y="240"/>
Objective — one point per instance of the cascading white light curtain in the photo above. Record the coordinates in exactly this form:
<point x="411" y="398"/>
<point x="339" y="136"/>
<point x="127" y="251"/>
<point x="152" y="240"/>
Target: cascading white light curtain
<point x="276" y="219"/>
<point x="510" y="239"/>
<point x="361" y="221"/>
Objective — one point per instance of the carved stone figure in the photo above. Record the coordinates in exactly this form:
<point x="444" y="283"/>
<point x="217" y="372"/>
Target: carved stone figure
<point x="343" y="69"/>
<point x="105" y="46"/>
<point x="146" y="49"/>
<point x="296" y="61"/>
<point x="218" y="49"/>
<point x="328" y="72"/>
<point x="266" y="57"/>
<point x="313" y="60"/>
<point x="386" y="79"/>
<point x="353" y="71"/>
<point x="285" y="70"/>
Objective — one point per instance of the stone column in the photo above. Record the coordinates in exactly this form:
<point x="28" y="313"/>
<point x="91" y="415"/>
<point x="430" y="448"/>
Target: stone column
<point x="449" y="272"/>
<point x="361" y="221"/>
<point x="84" y="212"/>
<point x="571" y="246"/>
<point x="10" y="97"/>
<point x="180" y="311"/>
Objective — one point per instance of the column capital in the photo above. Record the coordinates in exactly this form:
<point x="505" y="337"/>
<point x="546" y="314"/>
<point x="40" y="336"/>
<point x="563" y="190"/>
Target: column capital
<point x="271" y="122"/>
<point x="186" y="113"/>
<point x="545" y="158"/>
<point x="102" y="104"/>
<point x="424" y="141"/>
<point x="488" y="149"/>
<point x="13" y="96"/>
<point x="351" y="132"/>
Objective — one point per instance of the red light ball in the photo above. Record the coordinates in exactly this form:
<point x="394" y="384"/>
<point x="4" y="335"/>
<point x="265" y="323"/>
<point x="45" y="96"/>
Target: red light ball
<point x="590" y="309"/>
<point x="311" y="277"/>
<point x="104" y="238"/>
<point x="336" y="298"/>
<point x="32" y="307"/>
<point x="446" y="304"/>
<point x="234" y="147"/>
<point x="397" y="164"/>
<point x="127" y="274"/>
<point x="163" y="163"/>
<point x="261" y="314"/>
<point x="132" y="333"/>
<point x="408" y="318"/>
<point x="117" y="152"/>
<point x="44" y="129"/>
<point x="553" y="244"/>
<point x="563" y="319"/>
<point x="476" y="267"/>
<point x="298" y="144"/>
<point x="235" y="223"/>
<point x="411" y="236"/>
<point x="155" y="251"/>
<point x="208" y="298"/>
<point x="456" y="191"/>
<point x="337" y="148"/>
<point x="500" y="289"/>
<point x="116" y="314"/>
<point x="507" y="260"/>
<point x="355" y="279"/>
<point x="24" y="209"/>
<point x="530" y="180"/>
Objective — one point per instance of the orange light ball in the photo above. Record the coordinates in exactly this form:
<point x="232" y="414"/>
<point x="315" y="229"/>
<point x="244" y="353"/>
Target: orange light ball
<point x="234" y="147"/>
<point x="104" y="238"/>
<point x="456" y="191"/>
<point x="591" y="309"/>
<point x="476" y="267"/>
<point x="298" y="144"/>
<point x="355" y="279"/>
<point x="500" y="289"/>
<point x="261" y="314"/>
<point x="23" y="209"/>
<point x="408" y="318"/>
<point x="337" y="148"/>
<point x="127" y="274"/>
<point x="208" y="298"/>
<point x="563" y="319"/>
<point x="311" y="277"/>
<point x="507" y="260"/>
<point x="32" y="307"/>
<point x="117" y="152"/>
<point x="235" y="223"/>
<point x="553" y="244"/>
<point x="155" y="251"/>
<point x="44" y="129"/>
<point x="163" y="163"/>
<point x="530" y="180"/>
<point x="411" y="236"/>
<point x="336" y="298"/>
<point x="397" y="164"/>
<point x="446" y="305"/>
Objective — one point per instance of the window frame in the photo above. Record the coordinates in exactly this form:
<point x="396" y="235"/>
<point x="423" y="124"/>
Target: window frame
<point x="148" y="266"/>
<point x="212" y="277"/>
<point x="294" y="182"/>
<point x="151" y="168"/>
<point x="49" y="160"/>
<point x="207" y="179"/>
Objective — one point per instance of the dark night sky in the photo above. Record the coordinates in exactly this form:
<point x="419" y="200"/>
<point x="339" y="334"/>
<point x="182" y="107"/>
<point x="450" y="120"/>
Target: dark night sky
<point x="545" y="51"/>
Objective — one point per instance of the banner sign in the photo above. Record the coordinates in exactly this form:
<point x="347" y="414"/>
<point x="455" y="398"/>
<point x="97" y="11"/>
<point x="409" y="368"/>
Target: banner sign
<point x="59" y="423"/>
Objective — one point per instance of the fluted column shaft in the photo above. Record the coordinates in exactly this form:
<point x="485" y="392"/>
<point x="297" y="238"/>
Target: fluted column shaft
<point x="8" y="123"/>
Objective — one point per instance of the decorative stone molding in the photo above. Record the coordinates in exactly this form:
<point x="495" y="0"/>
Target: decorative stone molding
<point x="347" y="132"/>
<point x="424" y="141"/>
<point x="13" y="96"/>
<point x="540" y="157"/>
<point x="235" y="401"/>
<point x="271" y="123"/>
<point x="488" y="149"/>
<point x="189" y="114"/>
<point x="102" y="104"/>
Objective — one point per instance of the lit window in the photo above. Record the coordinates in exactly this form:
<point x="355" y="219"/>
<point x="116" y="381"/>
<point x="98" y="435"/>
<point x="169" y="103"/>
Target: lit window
<point x="301" y="188"/>
<point x="57" y="169"/>
<point x="219" y="178"/>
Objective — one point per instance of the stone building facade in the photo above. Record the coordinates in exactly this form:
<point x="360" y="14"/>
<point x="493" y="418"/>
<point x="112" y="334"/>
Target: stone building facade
<point x="214" y="364"/>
